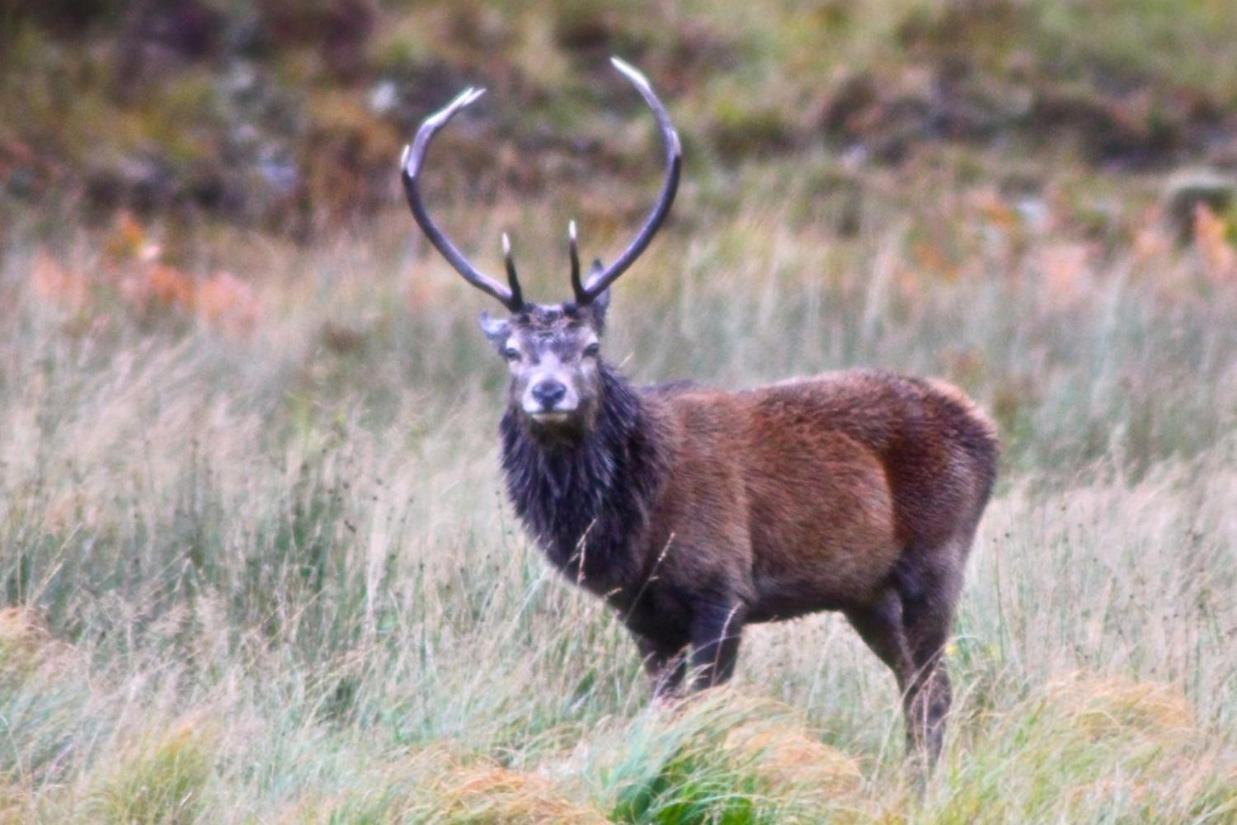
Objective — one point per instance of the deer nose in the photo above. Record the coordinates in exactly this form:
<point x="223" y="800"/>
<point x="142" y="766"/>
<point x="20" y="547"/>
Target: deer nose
<point x="548" y="393"/>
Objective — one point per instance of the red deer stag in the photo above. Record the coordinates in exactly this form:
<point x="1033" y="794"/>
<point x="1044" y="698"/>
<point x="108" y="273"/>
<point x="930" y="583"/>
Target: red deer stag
<point x="694" y="511"/>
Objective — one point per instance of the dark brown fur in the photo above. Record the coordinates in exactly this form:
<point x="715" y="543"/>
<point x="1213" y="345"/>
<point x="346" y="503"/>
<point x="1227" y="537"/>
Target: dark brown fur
<point x="695" y="512"/>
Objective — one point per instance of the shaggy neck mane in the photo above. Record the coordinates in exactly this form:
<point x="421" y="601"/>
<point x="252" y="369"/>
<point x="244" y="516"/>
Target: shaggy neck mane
<point x="584" y="499"/>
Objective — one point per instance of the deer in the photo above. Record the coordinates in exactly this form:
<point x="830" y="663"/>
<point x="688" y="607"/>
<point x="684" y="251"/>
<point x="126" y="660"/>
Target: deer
<point x="694" y="512"/>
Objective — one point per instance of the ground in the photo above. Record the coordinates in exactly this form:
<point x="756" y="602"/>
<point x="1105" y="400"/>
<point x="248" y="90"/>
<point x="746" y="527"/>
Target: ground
<point x="254" y="557"/>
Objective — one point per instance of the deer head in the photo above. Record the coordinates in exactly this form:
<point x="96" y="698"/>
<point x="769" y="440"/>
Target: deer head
<point x="552" y="350"/>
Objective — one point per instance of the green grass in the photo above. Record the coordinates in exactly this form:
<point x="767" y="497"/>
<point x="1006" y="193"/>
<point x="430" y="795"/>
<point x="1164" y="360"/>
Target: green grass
<point x="255" y="562"/>
<point x="263" y="571"/>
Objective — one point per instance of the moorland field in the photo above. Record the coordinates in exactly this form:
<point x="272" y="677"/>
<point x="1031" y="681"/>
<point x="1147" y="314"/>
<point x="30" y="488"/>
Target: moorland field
<point x="255" y="559"/>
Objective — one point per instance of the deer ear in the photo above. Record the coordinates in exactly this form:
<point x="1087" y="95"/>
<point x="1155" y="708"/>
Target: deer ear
<point x="496" y="329"/>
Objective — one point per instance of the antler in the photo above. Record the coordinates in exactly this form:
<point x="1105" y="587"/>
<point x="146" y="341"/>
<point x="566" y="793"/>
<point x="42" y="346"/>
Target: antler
<point x="600" y="280"/>
<point x="411" y="164"/>
<point x="517" y="297"/>
<point x="576" y="286"/>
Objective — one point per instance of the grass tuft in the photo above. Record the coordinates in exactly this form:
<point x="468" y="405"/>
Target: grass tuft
<point x="159" y="781"/>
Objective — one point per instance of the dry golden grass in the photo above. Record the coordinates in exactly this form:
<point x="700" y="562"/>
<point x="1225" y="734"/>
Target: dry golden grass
<point x="499" y="795"/>
<point x="1103" y="707"/>
<point x="259" y="567"/>
<point x="787" y="759"/>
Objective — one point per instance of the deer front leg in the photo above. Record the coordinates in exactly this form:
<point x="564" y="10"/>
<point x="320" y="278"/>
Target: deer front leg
<point x="665" y="664"/>
<point x="716" y="628"/>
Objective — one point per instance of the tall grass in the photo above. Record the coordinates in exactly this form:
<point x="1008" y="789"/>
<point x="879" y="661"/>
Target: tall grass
<point x="264" y="572"/>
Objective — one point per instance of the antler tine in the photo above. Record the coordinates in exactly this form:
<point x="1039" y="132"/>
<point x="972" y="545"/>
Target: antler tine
<point x="411" y="163"/>
<point x="516" y="294"/>
<point x="577" y="286"/>
<point x="674" y="160"/>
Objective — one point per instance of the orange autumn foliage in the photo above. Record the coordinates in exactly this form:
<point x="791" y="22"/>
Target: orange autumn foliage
<point x="132" y="269"/>
<point x="226" y="302"/>
<point x="1211" y="241"/>
<point x="55" y="282"/>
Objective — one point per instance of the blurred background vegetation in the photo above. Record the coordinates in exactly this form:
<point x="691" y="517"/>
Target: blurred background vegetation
<point x="286" y="115"/>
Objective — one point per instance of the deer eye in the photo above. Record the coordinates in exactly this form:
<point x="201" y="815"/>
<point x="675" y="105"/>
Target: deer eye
<point x="592" y="350"/>
<point x="511" y="354"/>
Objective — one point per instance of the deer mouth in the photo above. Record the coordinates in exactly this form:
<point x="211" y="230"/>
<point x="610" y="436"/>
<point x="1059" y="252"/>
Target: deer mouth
<point x="552" y="416"/>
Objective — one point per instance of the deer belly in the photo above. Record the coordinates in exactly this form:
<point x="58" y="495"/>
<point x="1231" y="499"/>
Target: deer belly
<point x="825" y="551"/>
<point x="835" y="584"/>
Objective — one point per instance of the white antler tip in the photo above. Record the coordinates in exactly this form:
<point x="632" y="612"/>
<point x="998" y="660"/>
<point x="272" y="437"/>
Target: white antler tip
<point x="403" y="156"/>
<point x="506" y="244"/>
<point x="571" y="229"/>
<point x="465" y="98"/>
<point x="631" y="72"/>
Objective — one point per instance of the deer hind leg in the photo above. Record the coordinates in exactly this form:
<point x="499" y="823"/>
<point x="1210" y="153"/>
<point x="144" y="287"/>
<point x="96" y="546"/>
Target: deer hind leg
<point x="715" y="631"/>
<point x="665" y="664"/>
<point x="880" y="626"/>
<point x="929" y="586"/>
